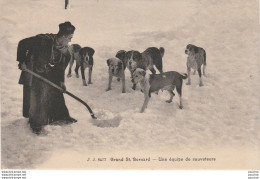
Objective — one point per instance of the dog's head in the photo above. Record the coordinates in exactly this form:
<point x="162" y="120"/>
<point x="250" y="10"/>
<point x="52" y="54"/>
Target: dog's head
<point x="115" y="65"/>
<point x="191" y="49"/>
<point x="133" y="58"/>
<point x="138" y="75"/>
<point x="73" y="48"/>
<point x="86" y="54"/>
<point x="121" y="54"/>
<point x="76" y="47"/>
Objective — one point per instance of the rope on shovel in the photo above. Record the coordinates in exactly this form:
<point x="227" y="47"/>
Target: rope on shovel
<point x="64" y="91"/>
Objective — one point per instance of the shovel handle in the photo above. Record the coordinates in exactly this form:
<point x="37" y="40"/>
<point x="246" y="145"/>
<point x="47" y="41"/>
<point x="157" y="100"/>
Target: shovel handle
<point x="81" y="101"/>
<point x="64" y="91"/>
<point x="43" y="79"/>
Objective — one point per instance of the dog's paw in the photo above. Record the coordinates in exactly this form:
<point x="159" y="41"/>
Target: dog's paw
<point x="201" y="84"/>
<point x="108" y="89"/>
<point x="69" y="75"/>
<point x="181" y="107"/>
<point x="77" y="76"/>
<point x="168" y="101"/>
<point x="188" y="83"/>
<point x="84" y="83"/>
<point x="134" y="86"/>
<point x="90" y="82"/>
<point x="123" y="91"/>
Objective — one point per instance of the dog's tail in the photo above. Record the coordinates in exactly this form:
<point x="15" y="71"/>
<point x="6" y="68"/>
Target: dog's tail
<point x="161" y="49"/>
<point x="204" y="62"/>
<point x="184" y="75"/>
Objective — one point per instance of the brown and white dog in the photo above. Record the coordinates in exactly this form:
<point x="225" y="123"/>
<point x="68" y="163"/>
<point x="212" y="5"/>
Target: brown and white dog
<point x="84" y="59"/>
<point x="151" y="57"/>
<point x="196" y="58"/>
<point x="116" y="69"/>
<point x="155" y="82"/>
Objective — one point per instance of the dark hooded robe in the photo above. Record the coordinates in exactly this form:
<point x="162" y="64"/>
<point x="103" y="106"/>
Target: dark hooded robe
<point x="66" y="3"/>
<point x="42" y="56"/>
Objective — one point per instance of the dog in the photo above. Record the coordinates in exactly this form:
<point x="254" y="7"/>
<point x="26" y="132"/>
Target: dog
<point x="155" y="82"/>
<point x="116" y="69"/>
<point x="121" y="55"/>
<point x="84" y="59"/>
<point x="196" y="58"/>
<point x="151" y="57"/>
<point x="74" y="52"/>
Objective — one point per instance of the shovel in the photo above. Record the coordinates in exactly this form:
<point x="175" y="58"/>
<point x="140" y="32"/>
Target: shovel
<point x="64" y="91"/>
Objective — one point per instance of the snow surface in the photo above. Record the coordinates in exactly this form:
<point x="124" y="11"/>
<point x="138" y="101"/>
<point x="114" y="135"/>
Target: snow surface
<point x="221" y="118"/>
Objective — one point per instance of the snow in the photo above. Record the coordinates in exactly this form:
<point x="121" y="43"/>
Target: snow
<point x="220" y="119"/>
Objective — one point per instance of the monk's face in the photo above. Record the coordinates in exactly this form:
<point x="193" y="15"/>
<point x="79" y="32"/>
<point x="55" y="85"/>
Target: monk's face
<point x="65" y="39"/>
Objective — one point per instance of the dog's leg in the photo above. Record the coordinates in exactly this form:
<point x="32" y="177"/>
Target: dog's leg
<point x="179" y="91"/>
<point x="194" y="72"/>
<point x="90" y="74"/>
<point x="146" y="100"/>
<point x="109" y="82"/>
<point x="204" y="67"/>
<point x="82" y="69"/>
<point x="71" y="63"/>
<point x="118" y="79"/>
<point x="77" y="70"/>
<point x="123" y="83"/>
<point x="204" y="64"/>
<point x="199" y="71"/>
<point x="171" y="96"/>
<point x="188" y="71"/>
<point x="159" y="65"/>
<point x="69" y="73"/>
<point x="153" y="70"/>
<point x="134" y="85"/>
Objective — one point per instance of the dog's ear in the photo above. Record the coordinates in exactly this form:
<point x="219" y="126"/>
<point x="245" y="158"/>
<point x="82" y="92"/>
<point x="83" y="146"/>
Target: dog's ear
<point x="139" y="56"/>
<point x="90" y="51"/>
<point x="120" y="65"/>
<point x="76" y="47"/>
<point x="128" y="54"/>
<point x="108" y="62"/>
<point x="196" y="49"/>
<point x="121" y="54"/>
<point x="143" y="73"/>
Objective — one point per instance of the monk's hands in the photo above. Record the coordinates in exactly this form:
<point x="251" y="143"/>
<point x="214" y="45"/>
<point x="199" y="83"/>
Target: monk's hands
<point x="22" y="66"/>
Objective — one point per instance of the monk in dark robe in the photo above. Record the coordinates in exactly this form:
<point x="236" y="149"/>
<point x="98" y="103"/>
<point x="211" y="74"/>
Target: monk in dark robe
<point x="48" y="56"/>
<point x="66" y="3"/>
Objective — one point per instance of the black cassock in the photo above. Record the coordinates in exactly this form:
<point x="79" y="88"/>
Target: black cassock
<point x="44" y="103"/>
